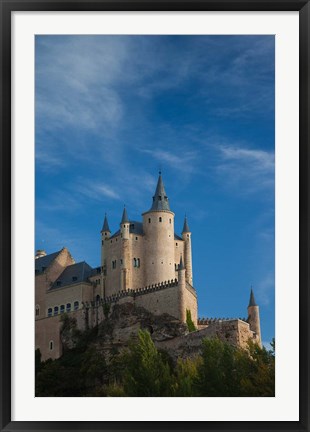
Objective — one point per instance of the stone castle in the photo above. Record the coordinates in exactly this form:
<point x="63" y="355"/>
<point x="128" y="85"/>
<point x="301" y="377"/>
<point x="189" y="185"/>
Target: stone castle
<point x="145" y="263"/>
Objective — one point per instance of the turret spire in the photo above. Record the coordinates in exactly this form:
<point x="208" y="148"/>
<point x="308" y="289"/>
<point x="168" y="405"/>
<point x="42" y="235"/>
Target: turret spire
<point x="181" y="265"/>
<point x="160" y="199"/>
<point x="105" y="227"/>
<point x="125" y="216"/>
<point x="252" y="299"/>
<point x="185" y="226"/>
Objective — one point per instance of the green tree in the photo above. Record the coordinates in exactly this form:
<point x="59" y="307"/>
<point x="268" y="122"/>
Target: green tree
<point x="219" y="374"/>
<point x="146" y="373"/>
<point x="186" y="373"/>
<point x="259" y="375"/>
<point x="190" y="325"/>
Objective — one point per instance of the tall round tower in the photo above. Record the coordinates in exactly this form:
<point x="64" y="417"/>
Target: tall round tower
<point x="253" y="318"/>
<point x="158" y="227"/>
<point x="125" y="281"/>
<point x="186" y="236"/>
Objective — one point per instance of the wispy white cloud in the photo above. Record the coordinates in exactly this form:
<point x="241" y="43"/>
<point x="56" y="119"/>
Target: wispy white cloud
<point x="183" y="163"/>
<point x="94" y="190"/>
<point x="48" y="161"/>
<point x="260" y="159"/>
<point x="250" y="170"/>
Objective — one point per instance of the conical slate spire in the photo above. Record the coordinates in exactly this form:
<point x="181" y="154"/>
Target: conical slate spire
<point x="185" y="226"/>
<point x="160" y="199"/>
<point x="105" y="226"/>
<point x="181" y="265"/>
<point x="252" y="299"/>
<point x="125" y="216"/>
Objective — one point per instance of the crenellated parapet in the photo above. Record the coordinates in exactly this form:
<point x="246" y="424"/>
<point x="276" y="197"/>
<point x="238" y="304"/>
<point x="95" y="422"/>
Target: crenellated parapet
<point x="132" y="293"/>
<point x="209" y="321"/>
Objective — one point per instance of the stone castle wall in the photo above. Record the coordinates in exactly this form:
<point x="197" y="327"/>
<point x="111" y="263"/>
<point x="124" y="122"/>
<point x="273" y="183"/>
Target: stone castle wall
<point x="235" y="331"/>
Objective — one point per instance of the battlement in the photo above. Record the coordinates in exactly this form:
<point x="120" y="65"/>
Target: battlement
<point x="133" y="293"/>
<point x="208" y="321"/>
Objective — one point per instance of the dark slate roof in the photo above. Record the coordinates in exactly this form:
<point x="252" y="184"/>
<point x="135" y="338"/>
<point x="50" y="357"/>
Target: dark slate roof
<point x="176" y="237"/>
<point x="134" y="228"/>
<point x="181" y="265"/>
<point x="125" y="216"/>
<point x="185" y="226"/>
<point x="117" y="233"/>
<point x="252" y="299"/>
<point x="73" y="274"/>
<point x="42" y="263"/>
<point x="105" y="226"/>
<point x="160" y="199"/>
<point x="95" y="271"/>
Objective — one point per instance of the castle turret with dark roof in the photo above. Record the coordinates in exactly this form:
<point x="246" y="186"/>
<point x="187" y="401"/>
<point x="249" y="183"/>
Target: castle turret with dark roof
<point x="160" y="199"/>
<point x="253" y="318"/>
<point x="124" y="225"/>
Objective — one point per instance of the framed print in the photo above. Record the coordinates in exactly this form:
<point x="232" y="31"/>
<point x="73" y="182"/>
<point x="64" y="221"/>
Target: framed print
<point x="154" y="215"/>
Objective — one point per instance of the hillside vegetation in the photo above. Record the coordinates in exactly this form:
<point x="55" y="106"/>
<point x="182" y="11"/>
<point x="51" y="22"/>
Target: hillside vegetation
<point x="88" y="368"/>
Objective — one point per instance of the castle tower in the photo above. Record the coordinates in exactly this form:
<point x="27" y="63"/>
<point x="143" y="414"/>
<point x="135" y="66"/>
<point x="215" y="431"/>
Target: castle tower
<point x="124" y="225"/>
<point x="253" y="318"/>
<point x="125" y="252"/>
<point x="105" y="234"/>
<point x="181" y="289"/>
<point x="158" y="227"/>
<point x="186" y="236"/>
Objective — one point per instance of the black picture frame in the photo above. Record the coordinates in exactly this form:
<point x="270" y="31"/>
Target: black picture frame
<point x="6" y="8"/>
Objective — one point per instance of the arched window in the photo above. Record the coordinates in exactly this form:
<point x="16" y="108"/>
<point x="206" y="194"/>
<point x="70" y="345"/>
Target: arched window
<point x="138" y="262"/>
<point x="56" y="309"/>
<point x="160" y="219"/>
<point x="169" y="220"/>
<point x="49" y="312"/>
<point x="68" y="307"/>
<point x="76" y="305"/>
<point x="37" y="310"/>
<point x="149" y="220"/>
<point x="135" y="262"/>
<point x="51" y="345"/>
<point x="97" y="299"/>
<point x="62" y="309"/>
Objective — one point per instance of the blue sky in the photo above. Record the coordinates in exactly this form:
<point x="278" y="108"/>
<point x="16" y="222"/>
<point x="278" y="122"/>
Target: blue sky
<point x="113" y="110"/>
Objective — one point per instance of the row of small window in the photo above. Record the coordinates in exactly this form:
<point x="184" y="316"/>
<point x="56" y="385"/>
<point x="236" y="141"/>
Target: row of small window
<point x="61" y="309"/>
<point x="136" y="263"/>
<point x="160" y="219"/>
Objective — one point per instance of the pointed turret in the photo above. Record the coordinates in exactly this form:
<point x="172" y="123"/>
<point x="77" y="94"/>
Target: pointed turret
<point x="160" y="199"/>
<point x="185" y="226"/>
<point x="252" y="299"/>
<point x="253" y="318"/>
<point x="125" y="225"/>
<point x="125" y="216"/>
<point x="181" y="265"/>
<point x="105" y="227"/>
